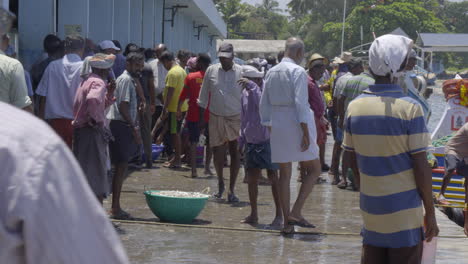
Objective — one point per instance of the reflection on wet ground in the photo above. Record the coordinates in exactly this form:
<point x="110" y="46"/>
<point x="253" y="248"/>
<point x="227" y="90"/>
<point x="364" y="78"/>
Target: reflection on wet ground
<point x="335" y="213"/>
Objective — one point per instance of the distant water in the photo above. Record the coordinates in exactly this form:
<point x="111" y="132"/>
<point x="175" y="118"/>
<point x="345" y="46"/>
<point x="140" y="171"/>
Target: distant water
<point x="437" y="104"/>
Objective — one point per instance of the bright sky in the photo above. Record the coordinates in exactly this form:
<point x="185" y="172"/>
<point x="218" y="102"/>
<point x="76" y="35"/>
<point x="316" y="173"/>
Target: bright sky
<point x="283" y="3"/>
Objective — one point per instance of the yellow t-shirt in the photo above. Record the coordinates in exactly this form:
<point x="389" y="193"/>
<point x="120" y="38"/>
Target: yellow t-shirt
<point x="175" y="79"/>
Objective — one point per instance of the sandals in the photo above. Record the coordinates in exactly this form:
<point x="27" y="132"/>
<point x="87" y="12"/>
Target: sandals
<point x="121" y="215"/>
<point x="300" y="222"/>
<point x="342" y="185"/>
<point x="232" y="198"/>
<point x="288" y="230"/>
<point x="172" y="166"/>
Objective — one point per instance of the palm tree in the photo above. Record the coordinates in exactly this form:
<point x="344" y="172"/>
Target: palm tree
<point x="271" y="6"/>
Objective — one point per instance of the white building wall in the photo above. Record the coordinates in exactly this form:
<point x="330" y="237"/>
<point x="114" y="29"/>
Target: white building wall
<point x="100" y="20"/>
<point x="34" y="28"/>
<point x="137" y="21"/>
<point x="122" y="21"/>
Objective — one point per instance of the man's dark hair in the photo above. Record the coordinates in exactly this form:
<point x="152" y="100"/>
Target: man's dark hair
<point x="204" y="59"/>
<point x="135" y="56"/>
<point x="354" y="63"/>
<point x="117" y="44"/>
<point x="131" y="47"/>
<point x="280" y="56"/>
<point x="316" y="64"/>
<point x="167" y="56"/>
<point x="271" y="60"/>
<point x="74" y="43"/>
<point x="183" y="53"/>
<point x="52" y="44"/>
<point x="150" y="54"/>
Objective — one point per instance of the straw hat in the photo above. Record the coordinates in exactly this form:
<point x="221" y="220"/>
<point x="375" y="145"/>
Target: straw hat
<point x="345" y="57"/>
<point x="315" y="57"/>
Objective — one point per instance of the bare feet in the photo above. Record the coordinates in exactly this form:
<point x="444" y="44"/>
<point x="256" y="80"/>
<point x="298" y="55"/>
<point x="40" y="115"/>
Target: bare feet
<point x="277" y="222"/>
<point x="209" y="172"/>
<point x="288" y="230"/>
<point x="250" y="220"/>
<point x="119" y="214"/>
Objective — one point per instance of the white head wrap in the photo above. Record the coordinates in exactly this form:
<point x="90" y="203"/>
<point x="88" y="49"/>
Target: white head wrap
<point x="251" y="72"/>
<point x="387" y="53"/>
<point x="99" y="61"/>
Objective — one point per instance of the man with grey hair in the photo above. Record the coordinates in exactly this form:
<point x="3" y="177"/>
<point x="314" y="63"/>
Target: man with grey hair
<point x="285" y="109"/>
<point x="13" y="89"/>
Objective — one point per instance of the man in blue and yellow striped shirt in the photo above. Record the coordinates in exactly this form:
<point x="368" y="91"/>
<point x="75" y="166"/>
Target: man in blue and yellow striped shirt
<point x="387" y="134"/>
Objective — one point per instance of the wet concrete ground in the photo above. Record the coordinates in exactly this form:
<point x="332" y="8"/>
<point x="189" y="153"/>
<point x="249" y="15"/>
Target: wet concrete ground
<point x="335" y="212"/>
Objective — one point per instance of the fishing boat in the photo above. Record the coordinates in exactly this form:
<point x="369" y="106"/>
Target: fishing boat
<point x="454" y="117"/>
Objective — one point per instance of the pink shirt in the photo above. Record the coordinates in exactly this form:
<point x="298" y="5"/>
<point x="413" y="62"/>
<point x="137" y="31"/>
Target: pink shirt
<point x="315" y="98"/>
<point x="91" y="101"/>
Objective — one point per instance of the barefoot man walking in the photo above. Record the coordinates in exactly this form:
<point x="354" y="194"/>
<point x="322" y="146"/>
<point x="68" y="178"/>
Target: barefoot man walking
<point x="285" y="109"/>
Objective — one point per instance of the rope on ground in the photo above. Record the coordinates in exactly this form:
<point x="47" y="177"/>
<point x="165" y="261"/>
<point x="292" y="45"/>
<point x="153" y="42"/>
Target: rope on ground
<point x="141" y="222"/>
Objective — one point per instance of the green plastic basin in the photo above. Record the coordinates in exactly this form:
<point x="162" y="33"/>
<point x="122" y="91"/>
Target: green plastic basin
<point x="174" y="209"/>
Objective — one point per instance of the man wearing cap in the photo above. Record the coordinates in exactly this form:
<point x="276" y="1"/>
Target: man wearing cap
<point x="108" y="47"/>
<point x="359" y="82"/>
<point x="342" y="77"/>
<point x="58" y="87"/>
<point x="284" y="107"/>
<point x="220" y="83"/>
<point x="316" y="68"/>
<point x="387" y="136"/>
<point x="91" y="132"/>
<point x="254" y="141"/>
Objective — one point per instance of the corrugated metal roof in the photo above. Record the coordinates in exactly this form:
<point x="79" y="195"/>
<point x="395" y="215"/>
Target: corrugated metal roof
<point x="442" y="40"/>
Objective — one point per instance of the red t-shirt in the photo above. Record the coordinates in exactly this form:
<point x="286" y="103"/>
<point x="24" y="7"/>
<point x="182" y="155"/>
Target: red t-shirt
<point x="193" y="83"/>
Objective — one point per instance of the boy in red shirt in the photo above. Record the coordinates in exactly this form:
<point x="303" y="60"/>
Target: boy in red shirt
<point x="195" y="118"/>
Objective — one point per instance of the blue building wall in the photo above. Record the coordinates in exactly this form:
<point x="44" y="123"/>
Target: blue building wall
<point x="137" y="21"/>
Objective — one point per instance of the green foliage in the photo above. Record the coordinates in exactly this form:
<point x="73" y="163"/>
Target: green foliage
<point x="456" y="17"/>
<point x="382" y="19"/>
<point x="319" y="22"/>
<point x="253" y="22"/>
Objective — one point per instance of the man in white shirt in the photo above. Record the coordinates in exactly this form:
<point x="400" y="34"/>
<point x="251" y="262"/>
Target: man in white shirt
<point x="13" y="89"/>
<point x="159" y="73"/>
<point x="285" y="109"/>
<point x="220" y="83"/>
<point x="58" y="86"/>
<point x="48" y="213"/>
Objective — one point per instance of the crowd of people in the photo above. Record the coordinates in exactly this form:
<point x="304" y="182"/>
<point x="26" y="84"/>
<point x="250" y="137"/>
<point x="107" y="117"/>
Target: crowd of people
<point x="109" y="105"/>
